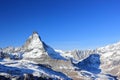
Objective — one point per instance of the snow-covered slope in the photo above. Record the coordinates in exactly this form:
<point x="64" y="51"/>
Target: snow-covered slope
<point x="109" y="58"/>
<point x="21" y="67"/>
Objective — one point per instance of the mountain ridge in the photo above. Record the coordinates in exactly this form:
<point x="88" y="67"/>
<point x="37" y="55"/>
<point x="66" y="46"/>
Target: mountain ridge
<point x="69" y="63"/>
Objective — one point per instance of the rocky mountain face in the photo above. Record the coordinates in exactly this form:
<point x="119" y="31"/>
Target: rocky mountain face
<point x="109" y="60"/>
<point x="35" y="59"/>
<point x="34" y="41"/>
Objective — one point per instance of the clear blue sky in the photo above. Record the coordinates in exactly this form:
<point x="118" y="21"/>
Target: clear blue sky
<point x="62" y="24"/>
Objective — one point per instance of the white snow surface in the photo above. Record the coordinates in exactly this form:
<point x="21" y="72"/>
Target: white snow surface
<point x="20" y="67"/>
<point x="109" y="48"/>
<point x="35" y="53"/>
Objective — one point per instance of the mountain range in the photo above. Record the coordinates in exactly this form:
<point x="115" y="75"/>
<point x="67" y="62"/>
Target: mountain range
<point x="36" y="60"/>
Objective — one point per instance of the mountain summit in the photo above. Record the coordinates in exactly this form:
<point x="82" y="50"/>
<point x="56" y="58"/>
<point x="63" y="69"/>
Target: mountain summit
<point x="34" y="41"/>
<point x="34" y="47"/>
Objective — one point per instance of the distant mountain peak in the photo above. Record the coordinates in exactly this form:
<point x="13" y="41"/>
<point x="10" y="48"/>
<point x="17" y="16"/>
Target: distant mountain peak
<point x="34" y="41"/>
<point x="35" y="34"/>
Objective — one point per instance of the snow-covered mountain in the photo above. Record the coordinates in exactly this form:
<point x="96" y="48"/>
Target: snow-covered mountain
<point x="34" y="41"/>
<point x="35" y="59"/>
<point x="35" y="53"/>
<point x="36" y="48"/>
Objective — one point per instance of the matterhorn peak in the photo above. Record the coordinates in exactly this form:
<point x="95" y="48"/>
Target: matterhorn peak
<point x="35" y="35"/>
<point x="34" y="41"/>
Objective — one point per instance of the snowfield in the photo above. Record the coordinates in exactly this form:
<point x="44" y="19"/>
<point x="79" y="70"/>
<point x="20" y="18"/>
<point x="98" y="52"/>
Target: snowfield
<point x="21" y="67"/>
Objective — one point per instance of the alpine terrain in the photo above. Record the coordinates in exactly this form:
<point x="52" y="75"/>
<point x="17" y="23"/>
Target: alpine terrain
<point x="36" y="60"/>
